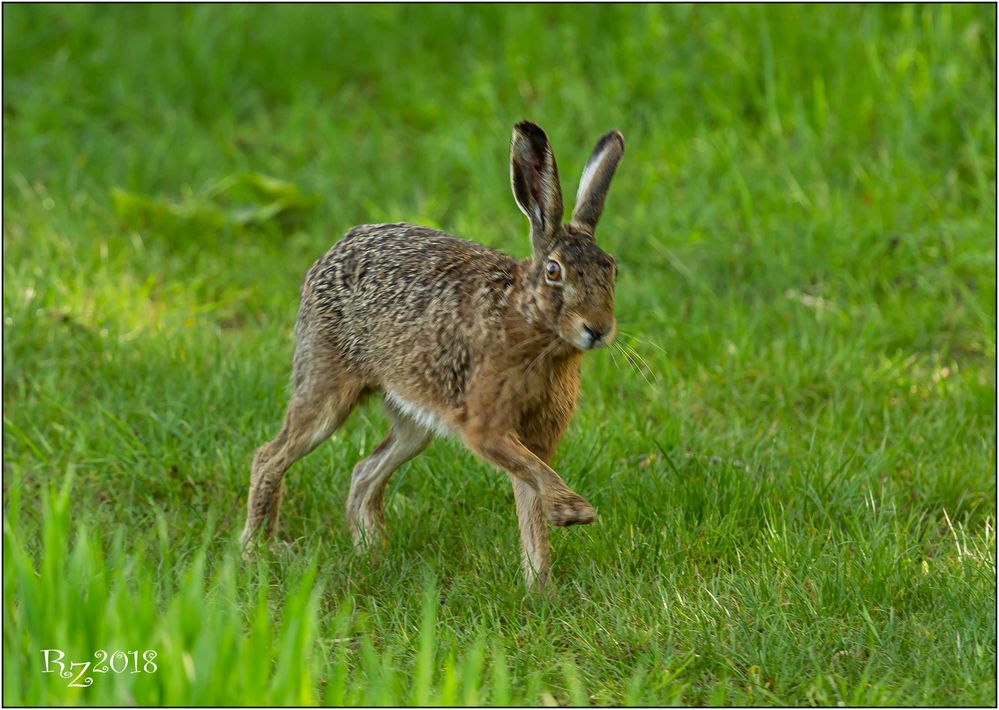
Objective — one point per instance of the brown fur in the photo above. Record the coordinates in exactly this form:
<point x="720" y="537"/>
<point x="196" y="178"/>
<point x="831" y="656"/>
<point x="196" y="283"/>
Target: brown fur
<point x="460" y="339"/>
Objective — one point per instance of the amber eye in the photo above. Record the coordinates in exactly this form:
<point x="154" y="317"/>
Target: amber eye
<point x="553" y="272"/>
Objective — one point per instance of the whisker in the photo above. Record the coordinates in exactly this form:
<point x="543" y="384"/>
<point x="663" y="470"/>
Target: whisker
<point x="642" y="369"/>
<point x="525" y="343"/>
<point x="614" y="358"/>
<point x="636" y="354"/>
<point x="544" y="352"/>
<point x="625" y="358"/>
<point x="635" y="367"/>
<point x="643" y="341"/>
<point x="641" y="359"/>
<point x="623" y="355"/>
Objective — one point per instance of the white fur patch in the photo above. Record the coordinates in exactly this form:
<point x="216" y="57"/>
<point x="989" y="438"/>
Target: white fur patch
<point x="421" y="415"/>
<point x="323" y="430"/>
<point x="588" y="172"/>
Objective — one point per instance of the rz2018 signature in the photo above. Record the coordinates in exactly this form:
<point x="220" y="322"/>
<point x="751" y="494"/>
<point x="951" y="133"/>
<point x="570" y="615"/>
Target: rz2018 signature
<point x="104" y="662"/>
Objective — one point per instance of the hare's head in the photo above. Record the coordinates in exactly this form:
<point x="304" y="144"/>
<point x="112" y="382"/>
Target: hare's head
<point x="571" y="278"/>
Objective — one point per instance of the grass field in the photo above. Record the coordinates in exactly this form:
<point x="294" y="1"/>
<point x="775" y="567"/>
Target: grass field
<point x="794" y="469"/>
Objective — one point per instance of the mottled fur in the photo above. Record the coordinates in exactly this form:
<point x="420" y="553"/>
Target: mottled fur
<point x="461" y="340"/>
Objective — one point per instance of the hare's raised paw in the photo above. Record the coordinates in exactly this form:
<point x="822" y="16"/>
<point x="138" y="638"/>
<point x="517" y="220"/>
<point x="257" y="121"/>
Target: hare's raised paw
<point x="563" y="513"/>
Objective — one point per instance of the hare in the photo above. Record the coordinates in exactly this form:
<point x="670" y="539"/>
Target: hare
<point x="460" y="340"/>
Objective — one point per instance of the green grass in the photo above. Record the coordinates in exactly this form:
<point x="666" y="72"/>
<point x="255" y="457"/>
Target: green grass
<point x="796" y="482"/>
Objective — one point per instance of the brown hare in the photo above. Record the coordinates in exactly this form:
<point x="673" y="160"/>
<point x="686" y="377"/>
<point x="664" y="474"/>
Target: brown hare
<point x="460" y="340"/>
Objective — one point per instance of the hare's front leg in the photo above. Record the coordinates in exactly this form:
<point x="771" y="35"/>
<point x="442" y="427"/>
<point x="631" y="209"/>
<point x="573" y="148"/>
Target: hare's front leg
<point x="405" y="440"/>
<point x="536" y="558"/>
<point x="562" y="505"/>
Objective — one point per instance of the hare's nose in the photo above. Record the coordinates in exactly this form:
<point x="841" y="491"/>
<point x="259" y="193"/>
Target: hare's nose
<point x="594" y="335"/>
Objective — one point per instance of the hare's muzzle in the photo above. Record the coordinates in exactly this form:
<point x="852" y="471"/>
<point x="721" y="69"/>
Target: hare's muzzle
<point x="596" y="336"/>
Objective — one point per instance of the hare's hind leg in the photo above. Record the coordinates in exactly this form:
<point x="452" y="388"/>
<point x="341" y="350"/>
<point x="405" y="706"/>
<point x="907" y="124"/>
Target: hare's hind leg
<point x="319" y="406"/>
<point x="405" y="440"/>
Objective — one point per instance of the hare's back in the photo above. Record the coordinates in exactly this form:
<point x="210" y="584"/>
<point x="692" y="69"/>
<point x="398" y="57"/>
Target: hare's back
<point x="404" y="260"/>
<point x="388" y="287"/>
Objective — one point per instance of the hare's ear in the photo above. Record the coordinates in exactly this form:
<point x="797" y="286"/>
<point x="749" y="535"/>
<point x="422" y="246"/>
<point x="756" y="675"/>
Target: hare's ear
<point x="534" y="177"/>
<point x="596" y="180"/>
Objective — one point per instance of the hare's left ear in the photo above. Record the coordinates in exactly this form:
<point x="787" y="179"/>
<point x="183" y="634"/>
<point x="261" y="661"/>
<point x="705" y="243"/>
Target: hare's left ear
<point x="596" y="180"/>
<point x="534" y="178"/>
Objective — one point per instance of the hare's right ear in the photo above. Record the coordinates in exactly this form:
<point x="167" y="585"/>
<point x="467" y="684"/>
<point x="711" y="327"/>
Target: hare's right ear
<point x="596" y="180"/>
<point x="534" y="178"/>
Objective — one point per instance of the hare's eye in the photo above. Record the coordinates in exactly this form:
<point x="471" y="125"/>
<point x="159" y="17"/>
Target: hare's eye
<point x="553" y="272"/>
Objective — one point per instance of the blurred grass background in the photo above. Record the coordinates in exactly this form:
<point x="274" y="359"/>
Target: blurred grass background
<point x="795" y="471"/>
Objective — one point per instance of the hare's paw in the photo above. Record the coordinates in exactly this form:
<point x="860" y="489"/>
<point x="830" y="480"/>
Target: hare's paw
<point x="570" y="510"/>
<point x="369" y="535"/>
<point x="249" y="541"/>
<point x="249" y="553"/>
<point x="262" y="544"/>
